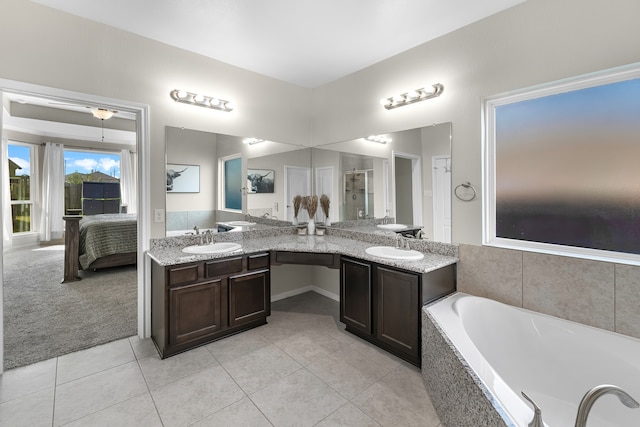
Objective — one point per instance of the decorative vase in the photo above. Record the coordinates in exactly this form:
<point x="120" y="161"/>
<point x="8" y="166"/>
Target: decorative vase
<point x="295" y="220"/>
<point x="327" y="222"/>
<point x="311" y="227"/>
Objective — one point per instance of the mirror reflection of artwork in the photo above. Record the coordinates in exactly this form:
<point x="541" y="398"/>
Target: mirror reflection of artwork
<point x="260" y="181"/>
<point x="183" y="178"/>
<point x="567" y="168"/>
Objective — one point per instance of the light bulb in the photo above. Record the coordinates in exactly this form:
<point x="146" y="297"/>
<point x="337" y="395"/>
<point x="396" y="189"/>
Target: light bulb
<point x="214" y="102"/>
<point x="182" y="94"/>
<point x="412" y="94"/>
<point x="199" y="98"/>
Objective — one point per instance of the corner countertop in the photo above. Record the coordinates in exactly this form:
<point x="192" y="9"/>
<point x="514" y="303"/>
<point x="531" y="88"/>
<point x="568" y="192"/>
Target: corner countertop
<point x="168" y="251"/>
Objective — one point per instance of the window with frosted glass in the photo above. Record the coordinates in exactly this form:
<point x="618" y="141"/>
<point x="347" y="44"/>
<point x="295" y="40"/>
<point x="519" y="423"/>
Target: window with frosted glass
<point x="233" y="184"/>
<point x="564" y="166"/>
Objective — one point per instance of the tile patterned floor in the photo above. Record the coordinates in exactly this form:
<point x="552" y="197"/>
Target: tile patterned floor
<point x="301" y="369"/>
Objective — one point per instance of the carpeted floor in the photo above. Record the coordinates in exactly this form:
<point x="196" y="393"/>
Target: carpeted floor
<point x="44" y="318"/>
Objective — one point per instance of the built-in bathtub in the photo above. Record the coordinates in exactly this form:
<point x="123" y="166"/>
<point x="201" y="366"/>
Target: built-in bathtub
<point x="479" y="354"/>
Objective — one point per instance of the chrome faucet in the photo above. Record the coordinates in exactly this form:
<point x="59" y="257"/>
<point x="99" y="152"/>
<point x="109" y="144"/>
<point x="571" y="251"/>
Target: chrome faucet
<point x="208" y="237"/>
<point x="402" y="242"/>
<point x="537" y="413"/>
<point x="247" y="217"/>
<point x="594" y="394"/>
<point x="385" y="220"/>
<point x="197" y="229"/>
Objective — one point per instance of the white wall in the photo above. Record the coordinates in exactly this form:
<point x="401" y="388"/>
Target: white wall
<point x="43" y="46"/>
<point x="533" y="43"/>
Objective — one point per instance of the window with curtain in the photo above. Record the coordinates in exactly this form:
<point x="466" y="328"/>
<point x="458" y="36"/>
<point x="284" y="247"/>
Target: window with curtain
<point x="20" y="186"/>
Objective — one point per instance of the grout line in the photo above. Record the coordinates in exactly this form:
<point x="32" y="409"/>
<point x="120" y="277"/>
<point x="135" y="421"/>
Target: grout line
<point x="55" y="390"/>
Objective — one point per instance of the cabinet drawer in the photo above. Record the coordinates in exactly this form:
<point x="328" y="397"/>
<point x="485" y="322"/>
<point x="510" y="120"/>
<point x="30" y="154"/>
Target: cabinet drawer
<point x="223" y="267"/>
<point x="183" y="274"/>
<point x="255" y="262"/>
<point x="304" y="258"/>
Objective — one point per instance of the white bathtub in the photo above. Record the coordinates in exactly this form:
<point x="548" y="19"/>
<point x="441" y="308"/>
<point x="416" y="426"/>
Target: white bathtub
<point x="554" y="361"/>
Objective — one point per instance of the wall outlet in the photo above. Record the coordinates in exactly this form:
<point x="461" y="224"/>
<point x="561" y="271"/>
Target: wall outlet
<point x="158" y="215"/>
<point x="275" y="206"/>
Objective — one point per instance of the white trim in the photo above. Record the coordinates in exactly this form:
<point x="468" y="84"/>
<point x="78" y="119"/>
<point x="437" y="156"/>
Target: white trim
<point x="143" y="142"/>
<point x="489" y="105"/>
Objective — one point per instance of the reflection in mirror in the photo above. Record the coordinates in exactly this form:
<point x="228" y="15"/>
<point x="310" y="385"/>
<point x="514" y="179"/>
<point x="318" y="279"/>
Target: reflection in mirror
<point x="217" y="155"/>
<point x="407" y="178"/>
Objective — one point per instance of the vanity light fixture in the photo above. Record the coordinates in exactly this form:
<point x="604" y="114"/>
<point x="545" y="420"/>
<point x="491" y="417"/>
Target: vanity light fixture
<point x="381" y="139"/>
<point x="251" y="141"/>
<point x="411" y="97"/>
<point x="201" y="100"/>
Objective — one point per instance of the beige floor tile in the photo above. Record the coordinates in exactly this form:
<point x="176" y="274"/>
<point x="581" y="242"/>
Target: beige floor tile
<point x="33" y="410"/>
<point x="139" y="411"/>
<point x="142" y="348"/>
<point x="160" y="372"/>
<point x="84" y="396"/>
<point x="29" y="379"/>
<point x="350" y="372"/>
<point x="308" y="345"/>
<point x="195" y="397"/>
<point x="260" y="368"/>
<point x="348" y="416"/>
<point x="93" y="360"/>
<point x="399" y="399"/>
<point x="300" y="399"/>
<point x="232" y="347"/>
<point x="240" y="414"/>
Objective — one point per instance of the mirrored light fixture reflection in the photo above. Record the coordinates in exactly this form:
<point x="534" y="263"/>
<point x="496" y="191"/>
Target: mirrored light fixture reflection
<point x="251" y="141"/>
<point x="380" y="139"/>
<point x="201" y="100"/>
<point x="412" y="97"/>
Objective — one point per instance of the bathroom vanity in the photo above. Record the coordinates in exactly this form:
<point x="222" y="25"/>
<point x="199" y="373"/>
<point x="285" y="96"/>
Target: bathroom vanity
<point x="382" y="304"/>
<point x="197" y="299"/>
<point x="199" y="302"/>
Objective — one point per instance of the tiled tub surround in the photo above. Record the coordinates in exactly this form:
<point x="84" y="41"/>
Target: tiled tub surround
<point x="525" y="351"/>
<point x="168" y="251"/>
<point x="596" y="293"/>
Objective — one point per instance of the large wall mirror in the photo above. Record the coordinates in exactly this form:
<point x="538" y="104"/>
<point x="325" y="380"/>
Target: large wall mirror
<point x="408" y="178"/>
<point x="404" y="175"/>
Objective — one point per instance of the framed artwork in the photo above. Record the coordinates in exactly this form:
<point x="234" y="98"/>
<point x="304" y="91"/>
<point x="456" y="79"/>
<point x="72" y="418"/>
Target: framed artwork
<point x="561" y="167"/>
<point x="183" y="178"/>
<point x="260" y="181"/>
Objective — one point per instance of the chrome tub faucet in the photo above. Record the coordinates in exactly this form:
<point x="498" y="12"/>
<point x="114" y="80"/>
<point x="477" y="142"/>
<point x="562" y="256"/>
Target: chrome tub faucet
<point x="594" y="394"/>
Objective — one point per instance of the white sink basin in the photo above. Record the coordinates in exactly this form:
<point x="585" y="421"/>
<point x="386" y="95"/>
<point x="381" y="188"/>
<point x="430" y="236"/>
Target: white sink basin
<point x="392" y="226"/>
<point x="214" y="248"/>
<point x="240" y="223"/>
<point x="390" y="252"/>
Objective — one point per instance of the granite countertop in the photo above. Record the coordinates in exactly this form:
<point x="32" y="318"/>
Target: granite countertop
<point x="168" y="251"/>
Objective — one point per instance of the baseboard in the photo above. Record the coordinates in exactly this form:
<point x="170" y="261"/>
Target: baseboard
<point x="302" y="290"/>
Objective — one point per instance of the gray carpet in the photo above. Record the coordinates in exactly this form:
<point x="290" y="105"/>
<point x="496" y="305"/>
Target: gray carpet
<point x="44" y="318"/>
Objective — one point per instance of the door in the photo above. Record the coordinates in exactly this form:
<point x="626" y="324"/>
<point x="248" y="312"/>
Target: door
<point x="298" y="183"/>
<point x="355" y="296"/>
<point x="397" y="311"/>
<point x="441" y="183"/>
<point x="407" y="175"/>
<point x="249" y="297"/>
<point x="195" y="311"/>
<point x="324" y="185"/>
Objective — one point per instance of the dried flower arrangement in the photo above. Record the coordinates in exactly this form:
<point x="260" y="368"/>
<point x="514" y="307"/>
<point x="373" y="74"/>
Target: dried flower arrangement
<point x="310" y="203"/>
<point x="324" y="204"/>
<point x="297" y="201"/>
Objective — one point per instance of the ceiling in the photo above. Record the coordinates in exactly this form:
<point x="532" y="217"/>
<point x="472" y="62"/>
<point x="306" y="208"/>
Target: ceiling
<point x="304" y="42"/>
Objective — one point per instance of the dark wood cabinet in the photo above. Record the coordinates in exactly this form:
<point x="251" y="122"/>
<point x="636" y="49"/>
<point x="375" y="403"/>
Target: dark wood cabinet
<point x="196" y="303"/>
<point x="382" y="304"/>
<point x="356" y="295"/>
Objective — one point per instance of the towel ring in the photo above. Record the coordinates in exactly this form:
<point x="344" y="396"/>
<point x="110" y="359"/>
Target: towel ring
<point x="466" y="197"/>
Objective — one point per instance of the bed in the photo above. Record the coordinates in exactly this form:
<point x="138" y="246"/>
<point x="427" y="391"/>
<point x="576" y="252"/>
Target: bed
<point x="99" y="241"/>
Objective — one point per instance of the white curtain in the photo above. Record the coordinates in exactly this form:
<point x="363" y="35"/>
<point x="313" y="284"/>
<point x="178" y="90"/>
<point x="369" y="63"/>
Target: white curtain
<point x="128" y="180"/>
<point x="51" y="222"/>
<point x="7" y="225"/>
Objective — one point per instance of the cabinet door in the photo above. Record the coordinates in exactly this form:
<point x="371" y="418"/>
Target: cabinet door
<point x="355" y="295"/>
<point x="397" y="310"/>
<point x="194" y="311"/>
<point x="249" y="297"/>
